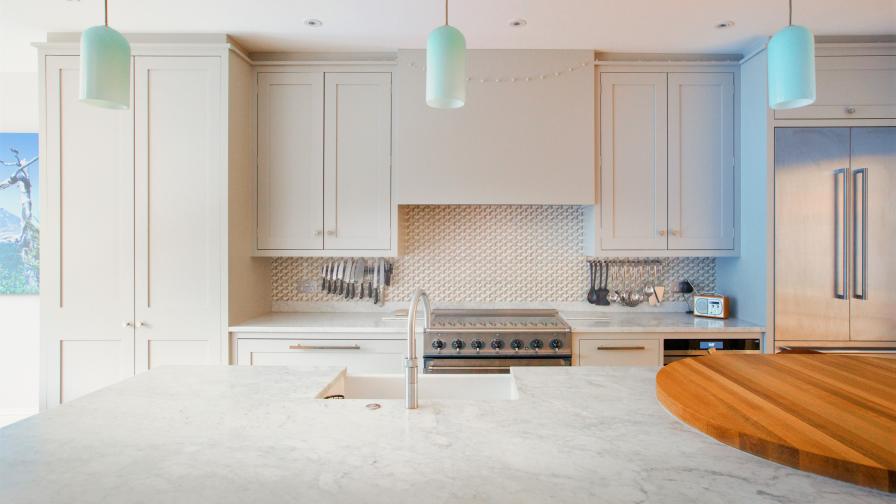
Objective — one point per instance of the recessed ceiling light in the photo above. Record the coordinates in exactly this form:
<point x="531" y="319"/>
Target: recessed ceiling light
<point x="314" y="23"/>
<point x="517" y="23"/>
<point x="725" y="24"/>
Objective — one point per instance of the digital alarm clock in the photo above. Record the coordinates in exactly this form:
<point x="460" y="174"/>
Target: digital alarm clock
<point x="711" y="305"/>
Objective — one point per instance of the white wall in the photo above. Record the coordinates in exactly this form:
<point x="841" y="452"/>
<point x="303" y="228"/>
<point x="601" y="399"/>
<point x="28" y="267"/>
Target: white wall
<point x="19" y="315"/>
<point x="744" y="278"/>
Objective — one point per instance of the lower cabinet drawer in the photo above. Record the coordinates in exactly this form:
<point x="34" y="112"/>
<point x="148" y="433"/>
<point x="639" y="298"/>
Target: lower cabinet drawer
<point x="358" y="356"/>
<point x="626" y="352"/>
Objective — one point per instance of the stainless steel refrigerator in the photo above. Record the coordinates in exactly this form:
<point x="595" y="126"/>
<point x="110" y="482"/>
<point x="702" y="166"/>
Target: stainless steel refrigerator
<point x="835" y="232"/>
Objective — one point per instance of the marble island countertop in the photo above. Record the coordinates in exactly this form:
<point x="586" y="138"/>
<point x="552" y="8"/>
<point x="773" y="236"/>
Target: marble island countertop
<point x="255" y="434"/>
<point x="580" y="321"/>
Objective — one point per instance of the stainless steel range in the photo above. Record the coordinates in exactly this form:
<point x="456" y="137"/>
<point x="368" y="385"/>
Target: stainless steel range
<point x="491" y="341"/>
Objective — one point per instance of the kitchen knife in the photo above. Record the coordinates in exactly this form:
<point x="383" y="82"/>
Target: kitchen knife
<point x="371" y="280"/>
<point x="348" y="277"/>
<point x="376" y="281"/>
<point x="323" y="277"/>
<point x="359" y="277"/>
<point x="381" y="291"/>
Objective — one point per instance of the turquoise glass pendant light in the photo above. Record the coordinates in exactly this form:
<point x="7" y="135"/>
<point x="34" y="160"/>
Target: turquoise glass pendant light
<point x="446" y="74"/>
<point x="105" y="67"/>
<point x="791" y="67"/>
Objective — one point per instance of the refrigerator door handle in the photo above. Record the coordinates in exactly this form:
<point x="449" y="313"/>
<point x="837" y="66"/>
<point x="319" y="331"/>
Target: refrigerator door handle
<point x="840" y="237"/>
<point x="860" y="230"/>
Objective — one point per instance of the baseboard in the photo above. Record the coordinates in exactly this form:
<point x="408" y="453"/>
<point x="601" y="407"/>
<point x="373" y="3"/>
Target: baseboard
<point x="9" y="416"/>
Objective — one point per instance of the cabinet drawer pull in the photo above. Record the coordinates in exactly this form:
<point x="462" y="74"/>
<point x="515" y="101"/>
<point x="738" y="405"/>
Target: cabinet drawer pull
<point x="324" y="347"/>
<point x="622" y="348"/>
<point x="661" y="232"/>
<point x="331" y="232"/>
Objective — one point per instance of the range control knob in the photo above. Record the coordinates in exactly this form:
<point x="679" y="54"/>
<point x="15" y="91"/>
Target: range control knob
<point x="497" y="344"/>
<point x="556" y="344"/>
<point x="457" y="344"/>
<point x="438" y="344"/>
<point x="476" y="345"/>
<point x="536" y="344"/>
<point x="516" y="344"/>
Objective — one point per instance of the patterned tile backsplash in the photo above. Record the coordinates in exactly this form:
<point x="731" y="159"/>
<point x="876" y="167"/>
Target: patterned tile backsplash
<point x="488" y="254"/>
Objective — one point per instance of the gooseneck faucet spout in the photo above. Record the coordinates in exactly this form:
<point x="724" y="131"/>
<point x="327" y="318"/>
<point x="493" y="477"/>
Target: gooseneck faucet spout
<point x="410" y="362"/>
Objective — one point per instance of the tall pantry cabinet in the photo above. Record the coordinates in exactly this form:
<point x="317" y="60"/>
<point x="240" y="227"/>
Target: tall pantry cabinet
<point x="136" y="217"/>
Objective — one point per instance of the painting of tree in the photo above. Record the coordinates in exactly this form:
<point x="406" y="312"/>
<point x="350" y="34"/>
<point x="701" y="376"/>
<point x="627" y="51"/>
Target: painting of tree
<point x="19" y="222"/>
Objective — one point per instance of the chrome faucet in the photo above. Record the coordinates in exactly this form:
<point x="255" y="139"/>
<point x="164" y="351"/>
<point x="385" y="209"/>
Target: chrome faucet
<point x="410" y="362"/>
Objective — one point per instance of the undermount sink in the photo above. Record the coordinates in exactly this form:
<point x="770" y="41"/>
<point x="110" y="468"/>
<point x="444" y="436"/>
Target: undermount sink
<point x="482" y="387"/>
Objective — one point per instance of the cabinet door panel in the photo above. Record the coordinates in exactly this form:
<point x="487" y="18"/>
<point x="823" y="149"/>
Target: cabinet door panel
<point x="701" y="161"/>
<point x="808" y="234"/>
<point x="359" y="356"/>
<point x="357" y="161"/>
<point x="633" y="161"/>
<point x="873" y="303"/>
<point x="180" y="205"/>
<point x="87" y="275"/>
<point x="624" y="352"/>
<point x="851" y="87"/>
<point x="290" y="161"/>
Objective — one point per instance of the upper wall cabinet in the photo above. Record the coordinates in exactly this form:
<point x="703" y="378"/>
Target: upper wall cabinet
<point x="324" y="164"/>
<point x="524" y="136"/>
<point x="667" y="164"/>
<point x="851" y="87"/>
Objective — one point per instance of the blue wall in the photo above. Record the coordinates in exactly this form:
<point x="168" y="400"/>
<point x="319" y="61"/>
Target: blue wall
<point x="744" y="278"/>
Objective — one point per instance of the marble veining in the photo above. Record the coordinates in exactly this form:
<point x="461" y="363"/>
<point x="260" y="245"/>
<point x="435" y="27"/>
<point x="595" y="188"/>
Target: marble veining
<point x="216" y="434"/>
<point x="580" y="321"/>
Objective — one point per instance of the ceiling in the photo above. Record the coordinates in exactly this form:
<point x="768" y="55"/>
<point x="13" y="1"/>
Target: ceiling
<point x="668" y="26"/>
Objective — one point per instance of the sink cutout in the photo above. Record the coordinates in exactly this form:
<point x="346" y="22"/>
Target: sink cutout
<point x="458" y="387"/>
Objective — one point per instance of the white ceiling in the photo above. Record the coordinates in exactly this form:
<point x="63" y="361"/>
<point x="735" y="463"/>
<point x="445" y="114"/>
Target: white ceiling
<point x="377" y="25"/>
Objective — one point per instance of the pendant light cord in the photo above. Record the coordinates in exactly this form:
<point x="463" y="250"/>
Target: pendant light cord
<point x="790" y="14"/>
<point x="106" y="10"/>
<point x="446" y="12"/>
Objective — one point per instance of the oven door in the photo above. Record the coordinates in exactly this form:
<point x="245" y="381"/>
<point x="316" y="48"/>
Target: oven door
<point x="487" y="365"/>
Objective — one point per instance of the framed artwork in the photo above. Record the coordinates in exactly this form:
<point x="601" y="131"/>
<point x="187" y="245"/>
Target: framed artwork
<point x="19" y="219"/>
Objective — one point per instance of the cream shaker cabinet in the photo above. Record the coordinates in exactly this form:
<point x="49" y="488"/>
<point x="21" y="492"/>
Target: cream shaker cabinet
<point x="179" y="210"/>
<point x="324" y="180"/>
<point x="87" y="242"/>
<point x="851" y="87"/>
<point x="383" y="356"/>
<point x="133" y="213"/>
<point x="667" y="164"/>
<point x="701" y="161"/>
<point x="633" y="154"/>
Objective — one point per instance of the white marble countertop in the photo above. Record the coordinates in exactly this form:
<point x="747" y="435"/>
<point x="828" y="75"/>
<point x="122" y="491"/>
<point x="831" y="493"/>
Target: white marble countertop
<point x="580" y="321"/>
<point x="217" y="434"/>
<point x="668" y="322"/>
<point x="325" y="322"/>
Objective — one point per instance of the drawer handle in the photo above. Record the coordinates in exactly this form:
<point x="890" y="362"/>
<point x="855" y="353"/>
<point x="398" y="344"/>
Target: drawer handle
<point x="324" y="347"/>
<point x="622" y="348"/>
